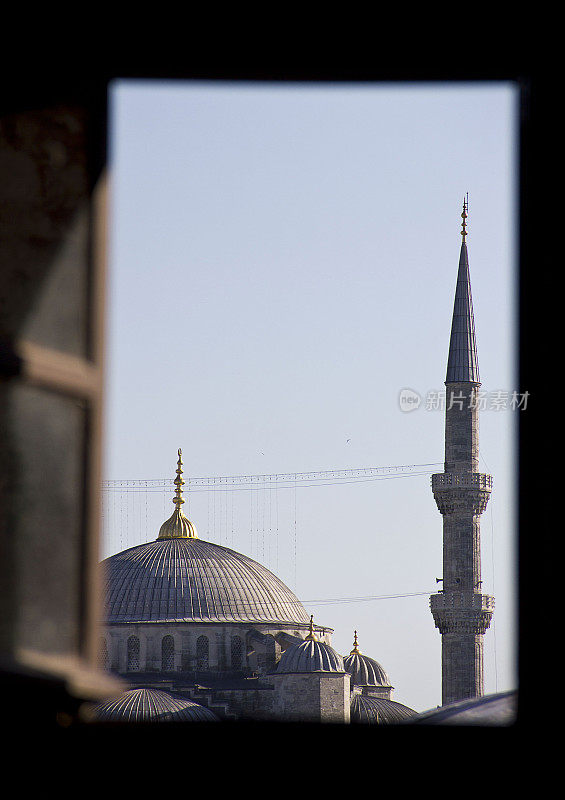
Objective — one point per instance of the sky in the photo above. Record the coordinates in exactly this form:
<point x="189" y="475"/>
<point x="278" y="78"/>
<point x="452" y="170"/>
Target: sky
<point x="283" y="260"/>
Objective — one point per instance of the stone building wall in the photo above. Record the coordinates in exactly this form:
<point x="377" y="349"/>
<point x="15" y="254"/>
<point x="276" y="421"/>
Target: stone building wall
<point x="199" y="647"/>
<point x="312" y="696"/>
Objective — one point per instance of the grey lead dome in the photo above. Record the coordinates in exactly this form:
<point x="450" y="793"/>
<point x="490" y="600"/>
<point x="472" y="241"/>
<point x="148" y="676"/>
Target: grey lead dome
<point x="152" y="705"/>
<point x="310" y="656"/>
<point x="190" y="580"/>
<point x="380" y="711"/>
<point x="365" y="671"/>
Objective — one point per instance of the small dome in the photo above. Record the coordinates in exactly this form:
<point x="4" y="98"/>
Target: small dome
<point x="378" y="711"/>
<point x="364" y="671"/>
<point x="310" y="656"/>
<point x="152" y="705"/>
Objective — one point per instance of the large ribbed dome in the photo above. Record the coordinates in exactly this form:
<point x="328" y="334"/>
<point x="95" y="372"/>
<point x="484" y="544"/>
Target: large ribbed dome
<point x="180" y="578"/>
<point x="190" y="580"/>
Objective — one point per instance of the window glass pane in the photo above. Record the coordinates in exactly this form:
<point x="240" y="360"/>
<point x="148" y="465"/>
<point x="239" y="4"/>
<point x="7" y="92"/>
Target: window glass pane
<point x="42" y="444"/>
<point x="44" y="197"/>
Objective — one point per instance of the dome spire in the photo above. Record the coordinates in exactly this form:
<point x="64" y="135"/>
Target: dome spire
<point x="178" y="526"/>
<point x="311" y="635"/>
<point x="355" y="651"/>
<point x="178" y="499"/>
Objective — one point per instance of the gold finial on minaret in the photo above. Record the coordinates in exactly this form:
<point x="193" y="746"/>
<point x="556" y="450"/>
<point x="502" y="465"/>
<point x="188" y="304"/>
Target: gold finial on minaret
<point x="464" y="216"/>
<point x="311" y="635"/>
<point x="178" y="526"/>
<point x="355" y="651"/>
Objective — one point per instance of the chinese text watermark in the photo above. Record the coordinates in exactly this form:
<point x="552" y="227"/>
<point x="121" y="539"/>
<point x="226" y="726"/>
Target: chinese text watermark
<point x="437" y="400"/>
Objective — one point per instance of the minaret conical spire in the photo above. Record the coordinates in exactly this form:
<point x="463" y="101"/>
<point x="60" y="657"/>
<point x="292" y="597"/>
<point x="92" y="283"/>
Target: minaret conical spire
<point x="462" y="362"/>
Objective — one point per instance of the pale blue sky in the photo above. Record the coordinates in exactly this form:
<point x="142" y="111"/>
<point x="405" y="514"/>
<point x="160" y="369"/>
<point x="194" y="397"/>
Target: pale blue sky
<point x="283" y="262"/>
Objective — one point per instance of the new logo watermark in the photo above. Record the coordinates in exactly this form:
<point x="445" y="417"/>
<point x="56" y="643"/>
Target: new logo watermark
<point x="436" y="400"/>
<point x="409" y="400"/>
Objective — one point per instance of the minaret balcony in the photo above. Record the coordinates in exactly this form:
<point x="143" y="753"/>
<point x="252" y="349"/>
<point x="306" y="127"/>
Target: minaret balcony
<point x="462" y="612"/>
<point x="461" y="492"/>
<point x="445" y="480"/>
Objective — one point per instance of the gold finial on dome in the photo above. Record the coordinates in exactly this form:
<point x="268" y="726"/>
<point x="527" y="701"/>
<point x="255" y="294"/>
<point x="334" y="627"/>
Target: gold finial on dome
<point x="178" y="499"/>
<point x="355" y="651"/>
<point x="178" y="526"/>
<point x="464" y="216"/>
<point x="311" y="635"/>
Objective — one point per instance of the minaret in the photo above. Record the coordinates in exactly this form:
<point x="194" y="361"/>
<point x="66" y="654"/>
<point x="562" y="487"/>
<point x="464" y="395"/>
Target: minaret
<point x="460" y="610"/>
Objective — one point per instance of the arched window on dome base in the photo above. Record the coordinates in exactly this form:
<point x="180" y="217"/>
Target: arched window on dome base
<point x="202" y="654"/>
<point x="133" y="654"/>
<point x="167" y="654"/>
<point x="237" y="652"/>
<point x="103" y="658"/>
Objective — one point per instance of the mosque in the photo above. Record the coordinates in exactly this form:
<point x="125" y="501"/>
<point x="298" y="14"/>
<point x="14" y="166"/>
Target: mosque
<point x="214" y="627"/>
<point x="201" y="632"/>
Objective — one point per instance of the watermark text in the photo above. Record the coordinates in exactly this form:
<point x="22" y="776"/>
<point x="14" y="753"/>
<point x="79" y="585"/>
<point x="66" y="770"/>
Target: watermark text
<point x="440" y="400"/>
